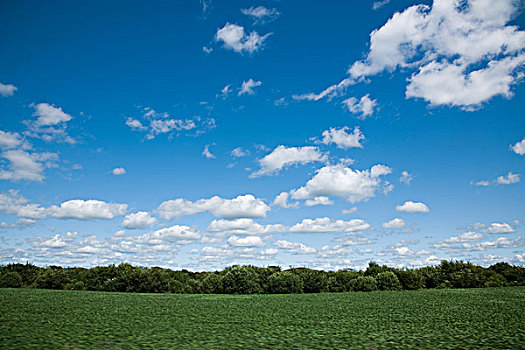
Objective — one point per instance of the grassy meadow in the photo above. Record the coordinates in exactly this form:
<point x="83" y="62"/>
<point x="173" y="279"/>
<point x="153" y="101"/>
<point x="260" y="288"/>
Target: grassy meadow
<point x="489" y="318"/>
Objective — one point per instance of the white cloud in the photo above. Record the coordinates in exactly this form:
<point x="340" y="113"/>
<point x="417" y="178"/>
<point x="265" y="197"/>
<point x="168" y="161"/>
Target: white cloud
<point x="7" y="90"/>
<point x="463" y="55"/>
<point x="328" y="225"/>
<point x="501" y="242"/>
<point x="330" y="92"/>
<point x="378" y="4"/>
<point x="480" y="183"/>
<point x="138" y="220"/>
<point x="247" y="87"/>
<point x="243" y="206"/>
<point x="295" y="247"/>
<point x="119" y="171"/>
<point x="394" y="223"/>
<point x="243" y="227"/>
<point x="48" y="115"/>
<point x="283" y="156"/>
<point x="179" y="234"/>
<point x="10" y="140"/>
<point x="509" y="179"/>
<point x="318" y="201"/>
<point x="342" y="138"/>
<point x="25" y="166"/>
<point x="261" y="14"/>
<point x="465" y="237"/>
<point x="499" y="228"/>
<point x="340" y="181"/>
<point x="239" y="152"/>
<point x="364" y="106"/>
<point x="281" y="200"/>
<point x="11" y="202"/>
<point x="249" y="241"/>
<point x="155" y="123"/>
<point x="519" y="147"/>
<point x="234" y="38"/>
<point x="349" y="211"/>
<point x="356" y="241"/>
<point x="406" y="178"/>
<point x="87" y="210"/>
<point x="413" y="207"/>
<point x="207" y="153"/>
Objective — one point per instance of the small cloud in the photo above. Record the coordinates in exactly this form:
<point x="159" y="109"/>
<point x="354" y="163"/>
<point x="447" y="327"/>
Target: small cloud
<point x="365" y="106"/>
<point x="119" y="171"/>
<point x="342" y="138"/>
<point x="234" y="38"/>
<point x="247" y="87"/>
<point x="207" y="153"/>
<point x="406" y="178"/>
<point x="413" y="207"/>
<point x="7" y="90"/>
<point x="378" y="4"/>
<point x="261" y="14"/>
<point x="349" y="211"/>
<point x="509" y="179"/>
<point x="519" y="147"/>
<point x="394" y="223"/>
<point x="207" y="49"/>
<point x="239" y="152"/>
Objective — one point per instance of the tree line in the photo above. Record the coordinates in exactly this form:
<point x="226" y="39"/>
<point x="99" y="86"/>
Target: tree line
<point x="259" y="280"/>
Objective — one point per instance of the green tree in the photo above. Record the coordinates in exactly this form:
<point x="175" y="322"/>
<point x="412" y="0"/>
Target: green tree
<point x="284" y="283"/>
<point x="387" y="281"/>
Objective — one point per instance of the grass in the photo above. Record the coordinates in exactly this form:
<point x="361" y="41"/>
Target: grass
<point x="427" y="319"/>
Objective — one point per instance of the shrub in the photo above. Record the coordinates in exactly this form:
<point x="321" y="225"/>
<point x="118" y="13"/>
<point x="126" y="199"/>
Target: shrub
<point x="10" y="279"/>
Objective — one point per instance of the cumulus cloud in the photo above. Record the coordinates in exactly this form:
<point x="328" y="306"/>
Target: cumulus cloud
<point x="138" y="220"/>
<point x="413" y="207"/>
<point x="234" y="38"/>
<point x="364" y="106"/>
<point x="243" y="206"/>
<point x="501" y="242"/>
<point x="318" y="201"/>
<point x="247" y="87"/>
<point x="281" y="200"/>
<point x="261" y="14"/>
<point x="465" y="237"/>
<point x="394" y="223"/>
<point x="11" y="202"/>
<point x="26" y="166"/>
<point x="342" y="138"/>
<point x="243" y="227"/>
<point x="50" y="123"/>
<point x="119" y="171"/>
<point x="328" y="225"/>
<point x="87" y="210"/>
<point x="7" y="90"/>
<point x="519" y="147"/>
<point x="249" y="241"/>
<point x="295" y="247"/>
<point x="462" y="55"/>
<point x="343" y="182"/>
<point x="499" y="228"/>
<point x="239" y="152"/>
<point x="283" y="156"/>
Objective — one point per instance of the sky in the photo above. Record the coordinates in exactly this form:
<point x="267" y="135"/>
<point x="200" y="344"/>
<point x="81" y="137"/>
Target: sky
<point x="201" y="134"/>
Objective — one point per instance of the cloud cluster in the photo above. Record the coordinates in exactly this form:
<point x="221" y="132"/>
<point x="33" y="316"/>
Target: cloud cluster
<point x="413" y="207"/>
<point x="7" y="90"/>
<point x="341" y="181"/>
<point x="502" y="180"/>
<point x="247" y="87"/>
<point x="462" y="55"/>
<point x="364" y="106"/>
<point x="154" y="123"/>
<point x="243" y="206"/>
<point x="519" y="147"/>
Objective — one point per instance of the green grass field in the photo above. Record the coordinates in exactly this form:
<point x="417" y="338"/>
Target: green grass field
<point x="439" y="319"/>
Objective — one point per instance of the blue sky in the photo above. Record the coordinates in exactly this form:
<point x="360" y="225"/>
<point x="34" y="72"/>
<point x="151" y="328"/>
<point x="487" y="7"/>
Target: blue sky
<point x="200" y="134"/>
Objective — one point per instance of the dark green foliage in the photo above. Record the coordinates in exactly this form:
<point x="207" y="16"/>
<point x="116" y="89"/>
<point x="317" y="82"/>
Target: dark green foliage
<point x="241" y="280"/>
<point x="388" y="281"/>
<point x="489" y="318"/>
<point x="364" y="284"/>
<point x="410" y="279"/>
<point x="252" y="279"/>
<point x="284" y="283"/>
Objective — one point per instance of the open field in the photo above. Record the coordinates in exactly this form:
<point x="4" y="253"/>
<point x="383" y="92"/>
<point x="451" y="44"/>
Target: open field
<point x="445" y="319"/>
